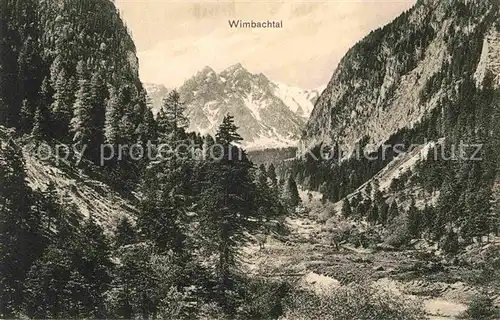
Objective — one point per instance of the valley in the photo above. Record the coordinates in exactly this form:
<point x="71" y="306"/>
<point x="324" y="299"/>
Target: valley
<point x="255" y="199"/>
<point x="309" y="258"/>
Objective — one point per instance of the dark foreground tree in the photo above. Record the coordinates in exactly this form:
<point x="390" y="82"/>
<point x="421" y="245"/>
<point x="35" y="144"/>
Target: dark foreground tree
<point x="19" y="229"/>
<point x="228" y="207"/>
<point x="292" y="193"/>
<point x="171" y="116"/>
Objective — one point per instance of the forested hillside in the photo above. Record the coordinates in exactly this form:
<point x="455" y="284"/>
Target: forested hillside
<point x="399" y="73"/>
<point x="69" y="73"/>
<point x="433" y="84"/>
<point x="109" y="212"/>
<point x="69" y="78"/>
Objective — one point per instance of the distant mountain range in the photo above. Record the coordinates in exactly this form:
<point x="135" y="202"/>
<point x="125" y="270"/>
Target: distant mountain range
<point x="268" y="114"/>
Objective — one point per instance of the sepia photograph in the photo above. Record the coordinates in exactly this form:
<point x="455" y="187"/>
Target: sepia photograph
<point x="237" y="159"/>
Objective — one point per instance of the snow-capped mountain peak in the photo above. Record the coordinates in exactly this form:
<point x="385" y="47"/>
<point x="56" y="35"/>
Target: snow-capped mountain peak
<point x="237" y="67"/>
<point x="268" y="114"/>
<point x="300" y="101"/>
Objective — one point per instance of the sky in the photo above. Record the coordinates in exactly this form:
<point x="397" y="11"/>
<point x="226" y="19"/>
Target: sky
<point x="177" y="38"/>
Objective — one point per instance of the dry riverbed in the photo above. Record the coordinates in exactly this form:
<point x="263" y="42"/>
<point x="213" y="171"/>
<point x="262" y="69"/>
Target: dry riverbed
<point x="309" y="259"/>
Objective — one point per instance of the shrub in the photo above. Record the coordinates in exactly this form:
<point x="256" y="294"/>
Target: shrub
<point x="489" y="266"/>
<point x="481" y="308"/>
<point x="249" y="298"/>
<point x="263" y="299"/>
<point x="347" y="303"/>
<point x="397" y="234"/>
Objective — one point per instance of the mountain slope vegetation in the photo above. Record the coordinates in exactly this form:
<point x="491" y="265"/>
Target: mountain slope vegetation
<point x="89" y="234"/>
<point x="432" y="85"/>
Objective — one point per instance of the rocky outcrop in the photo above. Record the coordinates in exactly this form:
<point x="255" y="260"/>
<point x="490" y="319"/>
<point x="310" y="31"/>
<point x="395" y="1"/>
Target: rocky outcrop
<point x="385" y="82"/>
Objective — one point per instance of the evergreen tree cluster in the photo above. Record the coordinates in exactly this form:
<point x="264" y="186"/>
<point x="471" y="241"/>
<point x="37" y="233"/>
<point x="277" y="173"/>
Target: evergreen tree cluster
<point x="68" y="73"/>
<point x="55" y="263"/>
<point x="461" y="167"/>
<point x="181" y="252"/>
<point x="197" y="215"/>
<point x="336" y="176"/>
<point x="465" y="205"/>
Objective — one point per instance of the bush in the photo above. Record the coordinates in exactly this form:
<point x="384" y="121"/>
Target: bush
<point x="489" y="266"/>
<point x="450" y="244"/>
<point x="249" y="298"/>
<point x="481" y="308"/>
<point x="356" y="302"/>
<point x="397" y="234"/>
<point x="263" y="299"/>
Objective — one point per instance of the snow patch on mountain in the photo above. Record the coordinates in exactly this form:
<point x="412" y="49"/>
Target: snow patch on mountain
<point x="156" y="92"/>
<point x="299" y="101"/>
<point x="253" y="106"/>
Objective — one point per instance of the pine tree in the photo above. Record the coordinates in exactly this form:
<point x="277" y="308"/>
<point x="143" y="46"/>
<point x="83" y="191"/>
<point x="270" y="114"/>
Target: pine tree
<point x="383" y="213"/>
<point x="19" y="229"/>
<point x="292" y="194"/>
<point x="94" y="264"/>
<point x="369" y="189"/>
<point x="448" y="206"/>
<point x="38" y="131"/>
<point x="111" y="130"/>
<point x="262" y="176"/>
<point x="346" y="208"/>
<point x="89" y="116"/>
<point x="428" y="217"/>
<point x="147" y="130"/>
<point x="414" y="220"/>
<point x="41" y="121"/>
<point x="477" y="219"/>
<point x="81" y="122"/>
<point x="450" y="244"/>
<point x="30" y="75"/>
<point x="138" y="288"/>
<point x="270" y="206"/>
<point x="162" y="214"/>
<point x="373" y="213"/>
<point x="9" y="73"/>
<point x="125" y="233"/>
<point x="54" y="288"/>
<point x="98" y="97"/>
<point x="393" y="210"/>
<point x="281" y="188"/>
<point x="70" y="277"/>
<point x="27" y="115"/>
<point x="229" y="207"/>
<point x="172" y="114"/>
<point x="61" y="107"/>
<point x="271" y="173"/>
<point x="375" y="191"/>
<point x="50" y="210"/>
<point x="227" y="134"/>
<point x="168" y="190"/>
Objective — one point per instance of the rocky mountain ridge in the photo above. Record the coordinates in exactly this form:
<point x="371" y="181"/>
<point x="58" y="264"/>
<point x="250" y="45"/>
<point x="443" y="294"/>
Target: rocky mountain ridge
<point x="387" y="81"/>
<point x="268" y="114"/>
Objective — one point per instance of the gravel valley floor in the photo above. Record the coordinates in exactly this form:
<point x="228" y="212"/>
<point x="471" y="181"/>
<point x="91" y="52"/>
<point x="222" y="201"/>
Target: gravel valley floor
<point x="308" y="257"/>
